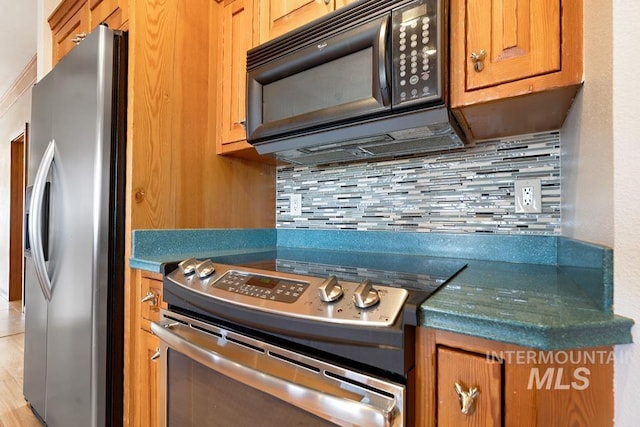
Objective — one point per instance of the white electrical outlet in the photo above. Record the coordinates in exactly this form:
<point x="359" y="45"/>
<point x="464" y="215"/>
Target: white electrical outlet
<point x="528" y="196"/>
<point x="295" y="204"/>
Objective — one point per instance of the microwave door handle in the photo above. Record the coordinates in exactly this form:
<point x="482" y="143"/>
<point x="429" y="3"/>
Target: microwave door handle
<point x="381" y="49"/>
<point x="35" y="220"/>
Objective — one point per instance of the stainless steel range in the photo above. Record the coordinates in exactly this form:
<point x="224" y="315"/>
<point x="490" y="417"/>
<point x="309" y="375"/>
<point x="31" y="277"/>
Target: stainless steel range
<point x="293" y="337"/>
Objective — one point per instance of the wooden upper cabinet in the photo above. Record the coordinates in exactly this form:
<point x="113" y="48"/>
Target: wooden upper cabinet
<point x="280" y="16"/>
<point x="501" y="50"/>
<point x="72" y="20"/>
<point x="521" y="39"/>
<point x="114" y="13"/>
<point x="69" y="23"/>
<point x="237" y="38"/>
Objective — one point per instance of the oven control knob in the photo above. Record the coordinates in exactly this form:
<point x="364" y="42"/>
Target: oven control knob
<point x="205" y="269"/>
<point x="330" y="290"/>
<point x="188" y="266"/>
<point x="365" y="296"/>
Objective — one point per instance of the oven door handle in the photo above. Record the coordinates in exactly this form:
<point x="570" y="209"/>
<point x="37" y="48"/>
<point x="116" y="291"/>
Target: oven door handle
<point x="334" y="408"/>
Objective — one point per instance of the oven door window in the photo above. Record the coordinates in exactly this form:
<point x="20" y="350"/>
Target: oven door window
<point x="331" y="81"/>
<point x="198" y="396"/>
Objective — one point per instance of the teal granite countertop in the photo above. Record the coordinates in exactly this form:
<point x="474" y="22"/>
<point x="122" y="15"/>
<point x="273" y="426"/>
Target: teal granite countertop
<point x="543" y="292"/>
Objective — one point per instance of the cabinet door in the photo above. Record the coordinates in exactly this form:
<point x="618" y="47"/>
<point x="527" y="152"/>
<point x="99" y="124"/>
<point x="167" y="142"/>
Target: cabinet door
<point x="237" y="38"/>
<point x="468" y="371"/>
<point x="148" y="380"/>
<point x="114" y="13"/>
<point x="523" y="47"/>
<point x="150" y="301"/>
<point x="67" y="33"/>
<point x="520" y="38"/>
<point x="280" y="16"/>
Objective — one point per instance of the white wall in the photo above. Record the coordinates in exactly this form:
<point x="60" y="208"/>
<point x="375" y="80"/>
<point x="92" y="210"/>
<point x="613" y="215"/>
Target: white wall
<point x="600" y="167"/>
<point x="587" y="135"/>
<point x="12" y="124"/>
<point x="626" y="138"/>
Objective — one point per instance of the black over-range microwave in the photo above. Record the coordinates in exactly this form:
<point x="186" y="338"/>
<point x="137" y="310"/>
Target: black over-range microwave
<point x="366" y="81"/>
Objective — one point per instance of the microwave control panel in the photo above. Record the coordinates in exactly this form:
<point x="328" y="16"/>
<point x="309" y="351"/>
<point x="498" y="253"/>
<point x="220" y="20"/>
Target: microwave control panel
<point x="416" y="53"/>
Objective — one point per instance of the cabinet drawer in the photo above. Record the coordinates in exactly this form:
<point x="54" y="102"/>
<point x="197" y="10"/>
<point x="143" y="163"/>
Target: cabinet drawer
<point x="150" y="299"/>
<point x="468" y="376"/>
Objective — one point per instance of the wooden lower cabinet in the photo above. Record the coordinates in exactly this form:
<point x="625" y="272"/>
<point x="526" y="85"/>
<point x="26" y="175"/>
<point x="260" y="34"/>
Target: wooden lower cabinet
<point x="148" y="380"/>
<point x="143" y="368"/>
<point x="514" y="386"/>
<point x="472" y="379"/>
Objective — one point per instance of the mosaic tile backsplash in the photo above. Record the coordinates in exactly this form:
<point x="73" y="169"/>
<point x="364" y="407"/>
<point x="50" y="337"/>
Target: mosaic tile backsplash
<point x="463" y="191"/>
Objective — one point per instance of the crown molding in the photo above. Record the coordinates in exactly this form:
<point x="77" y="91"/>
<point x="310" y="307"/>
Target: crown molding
<point x="25" y="80"/>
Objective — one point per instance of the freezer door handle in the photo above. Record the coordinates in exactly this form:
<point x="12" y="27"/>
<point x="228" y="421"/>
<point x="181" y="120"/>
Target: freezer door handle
<point x="35" y="223"/>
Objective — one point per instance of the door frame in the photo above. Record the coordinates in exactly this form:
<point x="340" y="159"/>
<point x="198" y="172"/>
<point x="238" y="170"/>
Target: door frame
<point x="18" y="183"/>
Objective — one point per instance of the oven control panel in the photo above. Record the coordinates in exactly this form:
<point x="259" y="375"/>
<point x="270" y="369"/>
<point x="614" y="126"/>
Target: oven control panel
<point x="320" y="299"/>
<point x="260" y="286"/>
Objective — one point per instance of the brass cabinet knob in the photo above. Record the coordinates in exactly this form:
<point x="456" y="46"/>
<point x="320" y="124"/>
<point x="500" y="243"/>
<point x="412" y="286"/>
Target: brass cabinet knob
<point x="467" y="398"/>
<point x="477" y="59"/>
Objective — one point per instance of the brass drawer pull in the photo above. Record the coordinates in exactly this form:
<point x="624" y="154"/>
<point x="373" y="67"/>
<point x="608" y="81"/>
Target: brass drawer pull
<point x="79" y="37"/>
<point x="150" y="297"/>
<point x="155" y="355"/>
<point x="467" y="398"/>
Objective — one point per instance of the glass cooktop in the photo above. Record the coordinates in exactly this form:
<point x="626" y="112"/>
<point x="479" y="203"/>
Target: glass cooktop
<point x="415" y="272"/>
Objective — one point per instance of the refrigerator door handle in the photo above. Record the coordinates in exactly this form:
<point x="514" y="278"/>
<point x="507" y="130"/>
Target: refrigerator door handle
<point x="35" y="225"/>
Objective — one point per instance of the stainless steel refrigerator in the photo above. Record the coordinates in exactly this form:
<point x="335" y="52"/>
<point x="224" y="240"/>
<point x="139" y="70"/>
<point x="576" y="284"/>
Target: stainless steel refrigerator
<point x="74" y="226"/>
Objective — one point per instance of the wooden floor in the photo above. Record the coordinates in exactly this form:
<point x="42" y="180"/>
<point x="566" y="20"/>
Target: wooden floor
<point x="14" y="411"/>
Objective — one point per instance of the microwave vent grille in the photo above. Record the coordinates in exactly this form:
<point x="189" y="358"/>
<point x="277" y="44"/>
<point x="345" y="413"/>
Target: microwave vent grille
<point x="415" y="146"/>
<point x="300" y="158"/>
<point x="355" y="152"/>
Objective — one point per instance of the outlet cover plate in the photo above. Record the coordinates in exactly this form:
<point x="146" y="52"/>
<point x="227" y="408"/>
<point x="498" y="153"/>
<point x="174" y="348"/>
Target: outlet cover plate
<point x="528" y="196"/>
<point x="295" y="205"/>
